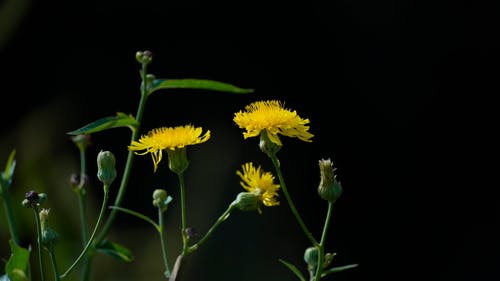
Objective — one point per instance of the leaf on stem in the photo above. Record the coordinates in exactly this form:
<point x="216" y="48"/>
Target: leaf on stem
<point x="294" y="269"/>
<point x="337" y="269"/>
<point x="115" y="250"/>
<point x="201" y="84"/>
<point x="17" y="265"/>
<point x="120" y="120"/>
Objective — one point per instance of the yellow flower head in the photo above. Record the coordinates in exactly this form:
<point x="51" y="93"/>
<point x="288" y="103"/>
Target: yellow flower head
<point x="273" y="118"/>
<point x="156" y="140"/>
<point x="257" y="181"/>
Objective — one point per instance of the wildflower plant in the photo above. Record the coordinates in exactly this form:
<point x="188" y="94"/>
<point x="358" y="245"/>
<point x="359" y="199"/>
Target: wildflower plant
<point x="269" y="120"/>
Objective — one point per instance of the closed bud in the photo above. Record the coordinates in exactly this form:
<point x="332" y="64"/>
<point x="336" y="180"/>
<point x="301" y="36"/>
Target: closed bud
<point x="106" y="171"/>
<point x="81" y="141"/>
<point x="311" y="258"/>
<point x="161" y="199"/>
<point x="31" y="199"/>
<point x="329" y="187"/>
<point x="247" y="201"/>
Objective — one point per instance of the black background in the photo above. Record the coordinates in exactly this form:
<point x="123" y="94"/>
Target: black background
<point x="399" y="94"/>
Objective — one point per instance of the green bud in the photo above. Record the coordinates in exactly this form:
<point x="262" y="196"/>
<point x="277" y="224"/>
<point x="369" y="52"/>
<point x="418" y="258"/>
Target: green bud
<point x="267" y="146"/>
<point x="161" y="199"/>
<point x="311" y="258"/>
<point x="138" y="56"/>
<point x="247" y="201"/>
<point x="42" y="197"/>
<point x="177" y="160"/>
<point x="49" y="236"/>
<point x="106" y="171"/>
<point x="26" y="203"/>
<point x="329" y="188"/>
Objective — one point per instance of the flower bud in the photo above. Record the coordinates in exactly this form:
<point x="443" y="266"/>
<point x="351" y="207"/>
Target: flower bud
<point x="161" y="199"/>
<point x="247" y="201"/>
<point x="31" y="199"/>
<point x="177" y="160"/>
<point x="81" y="141"/>
<point x="49" y="236"/>
<point x="42" y="197"/>
<point x="329" y="188"/>
<point x="311" y="258"/>
<point x="106" y="171"/>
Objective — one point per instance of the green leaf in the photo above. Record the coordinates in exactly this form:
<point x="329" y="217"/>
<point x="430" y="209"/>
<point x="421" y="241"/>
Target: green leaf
<point x="293" y="269"/>
<point x="120" y="120"/>
<point x="17" y="265"/>
<point x="116" y="251"/>
<point x="6" y="176"/>
<point x="337" y="269"/>
<point x="201" y="84"/>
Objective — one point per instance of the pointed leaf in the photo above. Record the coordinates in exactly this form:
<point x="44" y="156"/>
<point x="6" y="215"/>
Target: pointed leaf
<point x="6" y="176"/>
<point x="294" y="269"/>
<point x="116" y="251"/>
<point x="17" y="265"/>
<point x="120" y="120"/>
<point x="201" y="84"/>
<point x="337" y="269"/>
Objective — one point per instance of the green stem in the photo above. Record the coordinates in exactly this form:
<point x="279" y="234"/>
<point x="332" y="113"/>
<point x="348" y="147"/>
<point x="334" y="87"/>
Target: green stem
<point x="130" y="158"/>
<point x="276" y="164"/>
<point x="11" y="222"/>
<point x="222" y="218"/>
<point x="54" y="264"/>
<point x="185" y="246"/>
<point x="39" y="241"/>
<point x="81" y="192"/>
<point x="99" y="219"/>
<point x="321" y="248"/>
<point x="163" y="242"/>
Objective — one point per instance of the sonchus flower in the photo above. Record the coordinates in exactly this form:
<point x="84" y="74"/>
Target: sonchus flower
<point x="272" y="118"/>
<point x="260" y="187"/>
<point x="173" y="140"/>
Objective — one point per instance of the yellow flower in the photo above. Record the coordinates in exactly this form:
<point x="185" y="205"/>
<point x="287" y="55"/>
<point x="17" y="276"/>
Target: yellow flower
<point x="261" y="183"/>
<point x="271" y="117"/>
<point x="170" y="139"/>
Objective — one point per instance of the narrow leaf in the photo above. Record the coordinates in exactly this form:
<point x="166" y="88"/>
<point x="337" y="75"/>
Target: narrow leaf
<point x="201" y="84"/>
<point x="293" y="269"/>
<point x="116" y="251"/>
<point x="6" y="176"/>
<point x="337" y="269"/>
<point x="120" y="120"/>
<point x="136" y="214"/>
<point x="17" y="265"/>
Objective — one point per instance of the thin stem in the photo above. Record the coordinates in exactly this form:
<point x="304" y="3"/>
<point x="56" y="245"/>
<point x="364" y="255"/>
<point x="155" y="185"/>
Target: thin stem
<point x="185" y="246"/>
<point x="99" y="219"/>
<point x="130" y="158"/>
<point x="54" y="264"/>
<point x="321" y="248"/>
<point x="39" y="241"/>
<point x="11" y="222"/>
<point x="222" y="218"/>
<point x="276" y="164"/>
<point x="163" y="242"/>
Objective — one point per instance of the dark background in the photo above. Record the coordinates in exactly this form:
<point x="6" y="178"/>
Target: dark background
<point x="399" y="94"/>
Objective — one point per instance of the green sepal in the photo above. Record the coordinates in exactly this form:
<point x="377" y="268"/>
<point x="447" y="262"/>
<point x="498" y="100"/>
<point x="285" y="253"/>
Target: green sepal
<point x="294" y="269"/>
<point x="337" y="269"/>
<point x="17" y="265"/>
<point x="6" y="175"/>
<point x="201" y="84"/>
<point x="120" y="120"/>
<point x="115" y="250"/>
